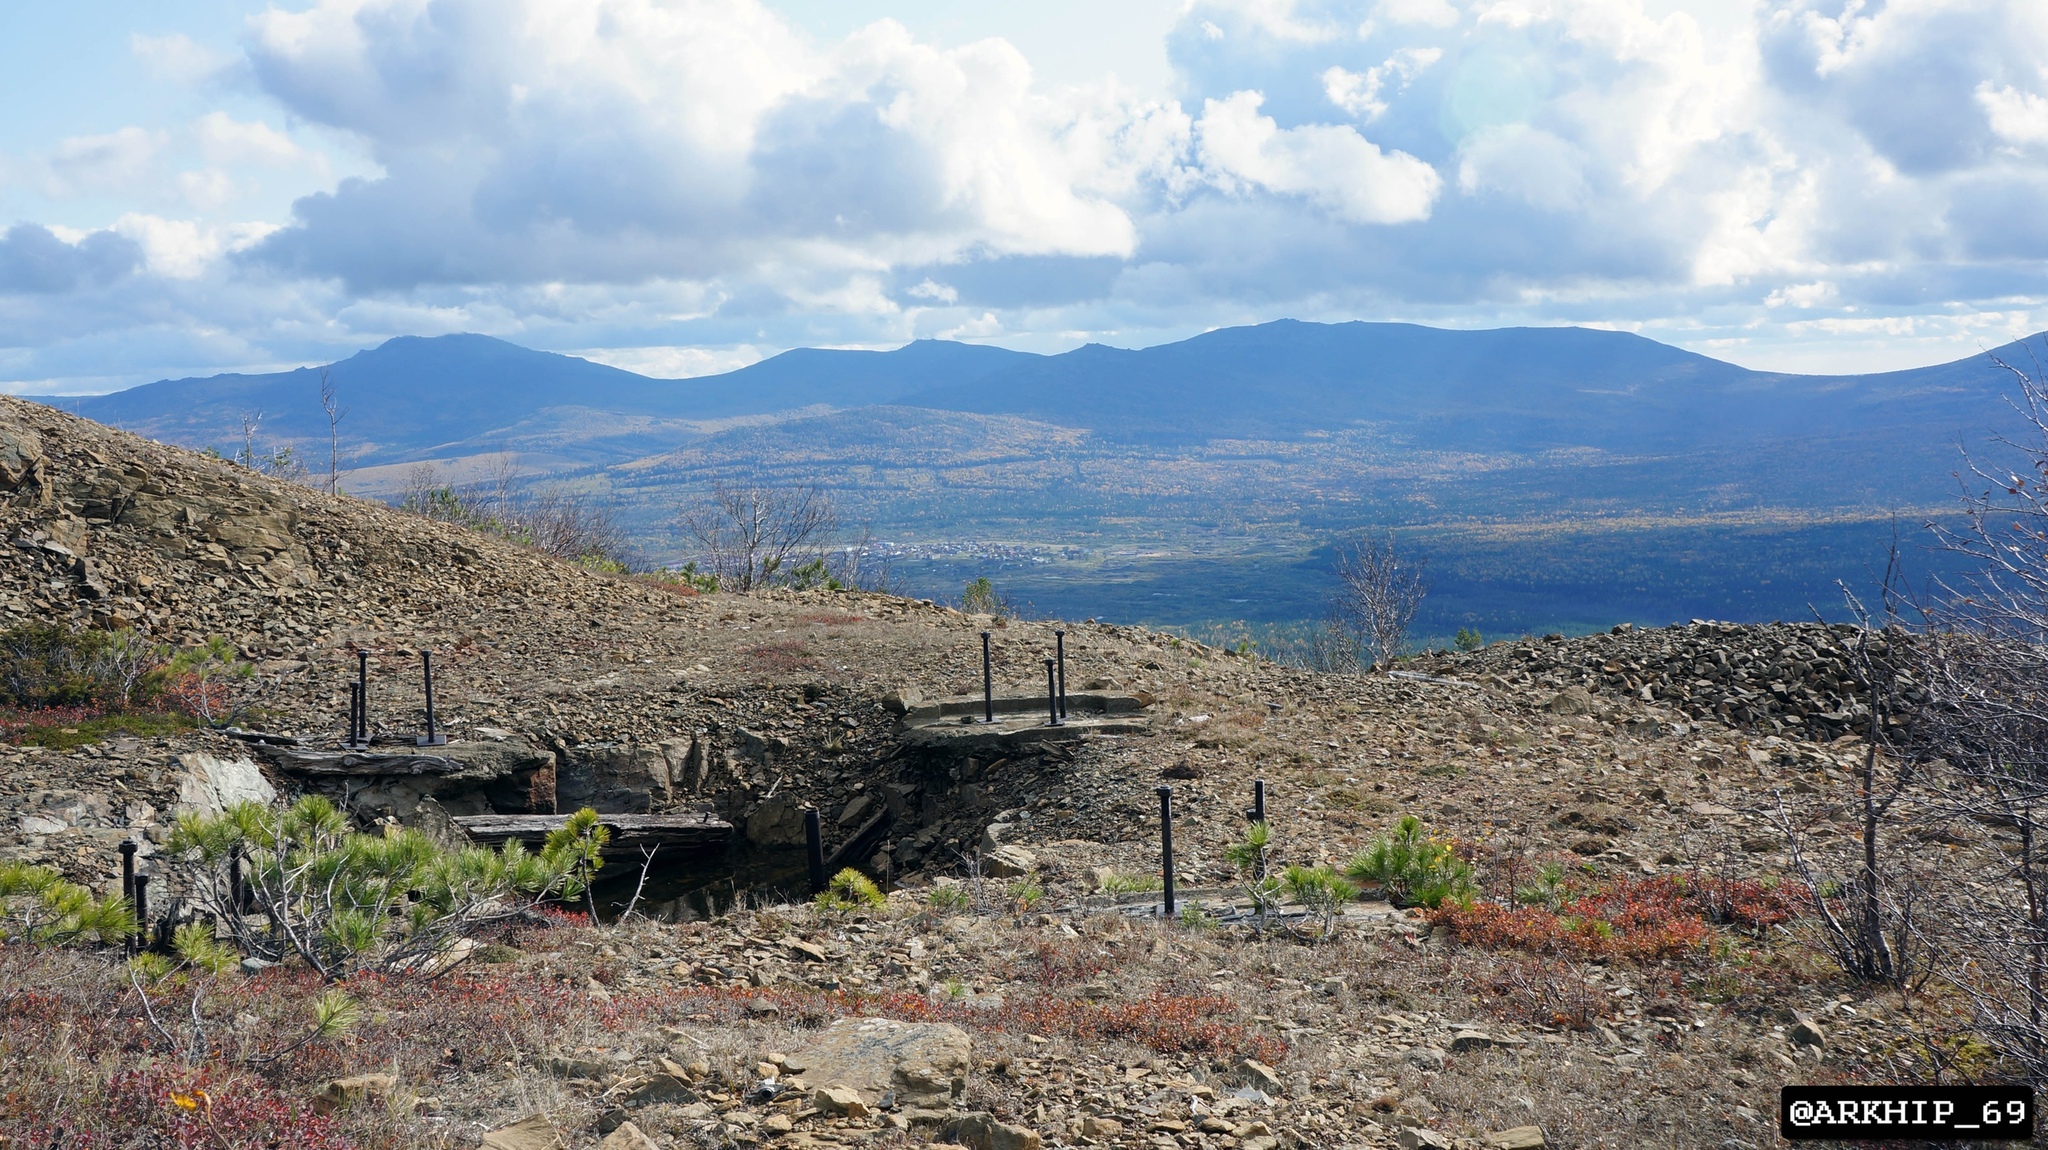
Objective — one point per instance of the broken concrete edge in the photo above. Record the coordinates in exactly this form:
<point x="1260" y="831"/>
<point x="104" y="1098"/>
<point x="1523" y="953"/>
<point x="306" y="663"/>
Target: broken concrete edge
<point x="1087" y="703"/>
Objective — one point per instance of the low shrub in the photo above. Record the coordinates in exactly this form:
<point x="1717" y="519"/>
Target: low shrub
<point x="850" y="891"/>
<point x="345" y="901"/>
<point x="1648" y="919"/>
<point x="39" y="906"/>
<point x="1414" y="868"/>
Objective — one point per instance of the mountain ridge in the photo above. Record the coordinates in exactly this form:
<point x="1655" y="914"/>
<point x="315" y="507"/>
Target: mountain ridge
<point x="1509" y="389"/>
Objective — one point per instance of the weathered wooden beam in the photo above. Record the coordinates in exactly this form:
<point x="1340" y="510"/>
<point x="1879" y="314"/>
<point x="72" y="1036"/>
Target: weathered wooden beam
<point x="629" y="833"/>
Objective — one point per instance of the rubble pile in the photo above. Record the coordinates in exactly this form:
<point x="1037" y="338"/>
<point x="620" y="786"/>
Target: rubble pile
<point x="1784" y="678"/>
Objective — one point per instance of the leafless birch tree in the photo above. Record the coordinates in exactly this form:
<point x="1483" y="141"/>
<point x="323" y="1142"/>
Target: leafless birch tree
<point x="1379" y="590"/>
<point x="747" y="535"/>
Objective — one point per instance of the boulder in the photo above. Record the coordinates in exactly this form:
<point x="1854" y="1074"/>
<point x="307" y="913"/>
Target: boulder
<point x="922" y="1062"/>
<point x="1095" y="1126"/>
<point x="210" y="786"/>
<point x="1418" y="1138"/>
<point x="1516" y="1138"/>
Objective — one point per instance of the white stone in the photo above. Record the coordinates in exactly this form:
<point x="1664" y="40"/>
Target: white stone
<point x="210" y="786"/>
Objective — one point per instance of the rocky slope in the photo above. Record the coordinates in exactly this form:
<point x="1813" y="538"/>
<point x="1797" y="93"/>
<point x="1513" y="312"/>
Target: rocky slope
<point x="1635" y="754"/>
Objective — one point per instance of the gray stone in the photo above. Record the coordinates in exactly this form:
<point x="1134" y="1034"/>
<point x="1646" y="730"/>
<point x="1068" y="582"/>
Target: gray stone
<point x="1417" y="1138"/>
<point x="1259" y="1076"/>
<point x="981" y="1131"/>
<point x="627" y="1137"/>
<point x="1516" y="1138"/>
<point x="1008" y="862"/>
<point x="777" y="822"/>
<point x="1427" y="1057"/>
<point x="1806" y="1032"/>
<point x="923" y="1063"/>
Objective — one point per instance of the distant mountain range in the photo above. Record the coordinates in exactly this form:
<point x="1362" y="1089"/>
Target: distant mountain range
<point x="1234" y="460"/>
<point x="1512" y="389"/>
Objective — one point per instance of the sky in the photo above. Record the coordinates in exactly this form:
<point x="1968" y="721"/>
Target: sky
<point x="685" y="186"/>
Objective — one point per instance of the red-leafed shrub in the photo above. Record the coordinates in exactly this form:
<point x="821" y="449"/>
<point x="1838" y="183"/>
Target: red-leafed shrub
<point x="1641" y="919"/>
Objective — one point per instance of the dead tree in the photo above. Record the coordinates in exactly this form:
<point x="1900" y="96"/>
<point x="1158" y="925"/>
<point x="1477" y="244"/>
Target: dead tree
<point x="330" y="403"/>
<point x="1878" y="939"/>
<point x="747" y="535"/>
<point x="1378" y="592"/>
<point x="1983" y="666"/>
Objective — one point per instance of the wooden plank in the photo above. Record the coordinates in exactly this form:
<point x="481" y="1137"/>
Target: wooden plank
<point x="630" y="833"/>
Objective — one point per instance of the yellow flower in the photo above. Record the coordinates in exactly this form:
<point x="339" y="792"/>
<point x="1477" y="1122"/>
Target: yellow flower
<point x="184" y="1102"/>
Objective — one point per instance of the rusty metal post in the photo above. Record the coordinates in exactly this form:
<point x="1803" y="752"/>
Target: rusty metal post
<point x="814" y="850"/>
<point x="1052" y="695"/>
<point x="988" y="683"/>
<point x="1059" y="639"/>
<point x="142" y="939"/>
<point x="432" y="738"/>
<point x="1166" y="846"/>
<point x="128" y="849"/>
<point x="363" y="697"/>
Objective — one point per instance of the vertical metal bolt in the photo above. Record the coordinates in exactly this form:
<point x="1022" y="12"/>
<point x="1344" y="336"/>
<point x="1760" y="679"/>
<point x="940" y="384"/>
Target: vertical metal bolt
<point x="1166" y="846"/>
<point x="432" y="738"/>
<point x="814" y="850"/>
<point x="988" y="683"/>
<point x="1052" y="694"/>
<point x="355" y="716"/>
<point x="363" y="690"/>
<point x="1059" y="639"/>
<point x="142" y="911"/>
<point x="128" y="849"/>
<point x="1258" y="800"/>
<point x="238" y="900"/>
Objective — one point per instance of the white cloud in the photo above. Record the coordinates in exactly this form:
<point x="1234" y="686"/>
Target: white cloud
<point x="1336" y="168"/>
<point x="927" y="289"/>
<point x="2018" y="117"/>
<point x="675" y="362"/>
<point x="1409" y="13"/>
<point x="186" y="249"/>
<point x="649" y="173"/>
<point x="1358" y="93"/>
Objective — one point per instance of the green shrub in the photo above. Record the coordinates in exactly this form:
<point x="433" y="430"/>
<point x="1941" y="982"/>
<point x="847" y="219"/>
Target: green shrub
<point x="850" y="891"/>
<point x="1322" y="890"/>
<point x="1414" y="868"/>
<point x="950" y="899"/>
<point x="1468" y="639"/>
<point x="813" y="575"/>
<point x="40" y="906"/>
<point x="344" y="901"/>
<point x="980" y="598"/>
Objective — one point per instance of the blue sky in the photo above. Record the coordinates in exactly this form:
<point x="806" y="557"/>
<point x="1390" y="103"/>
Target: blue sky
<point x="681" y="186"/>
